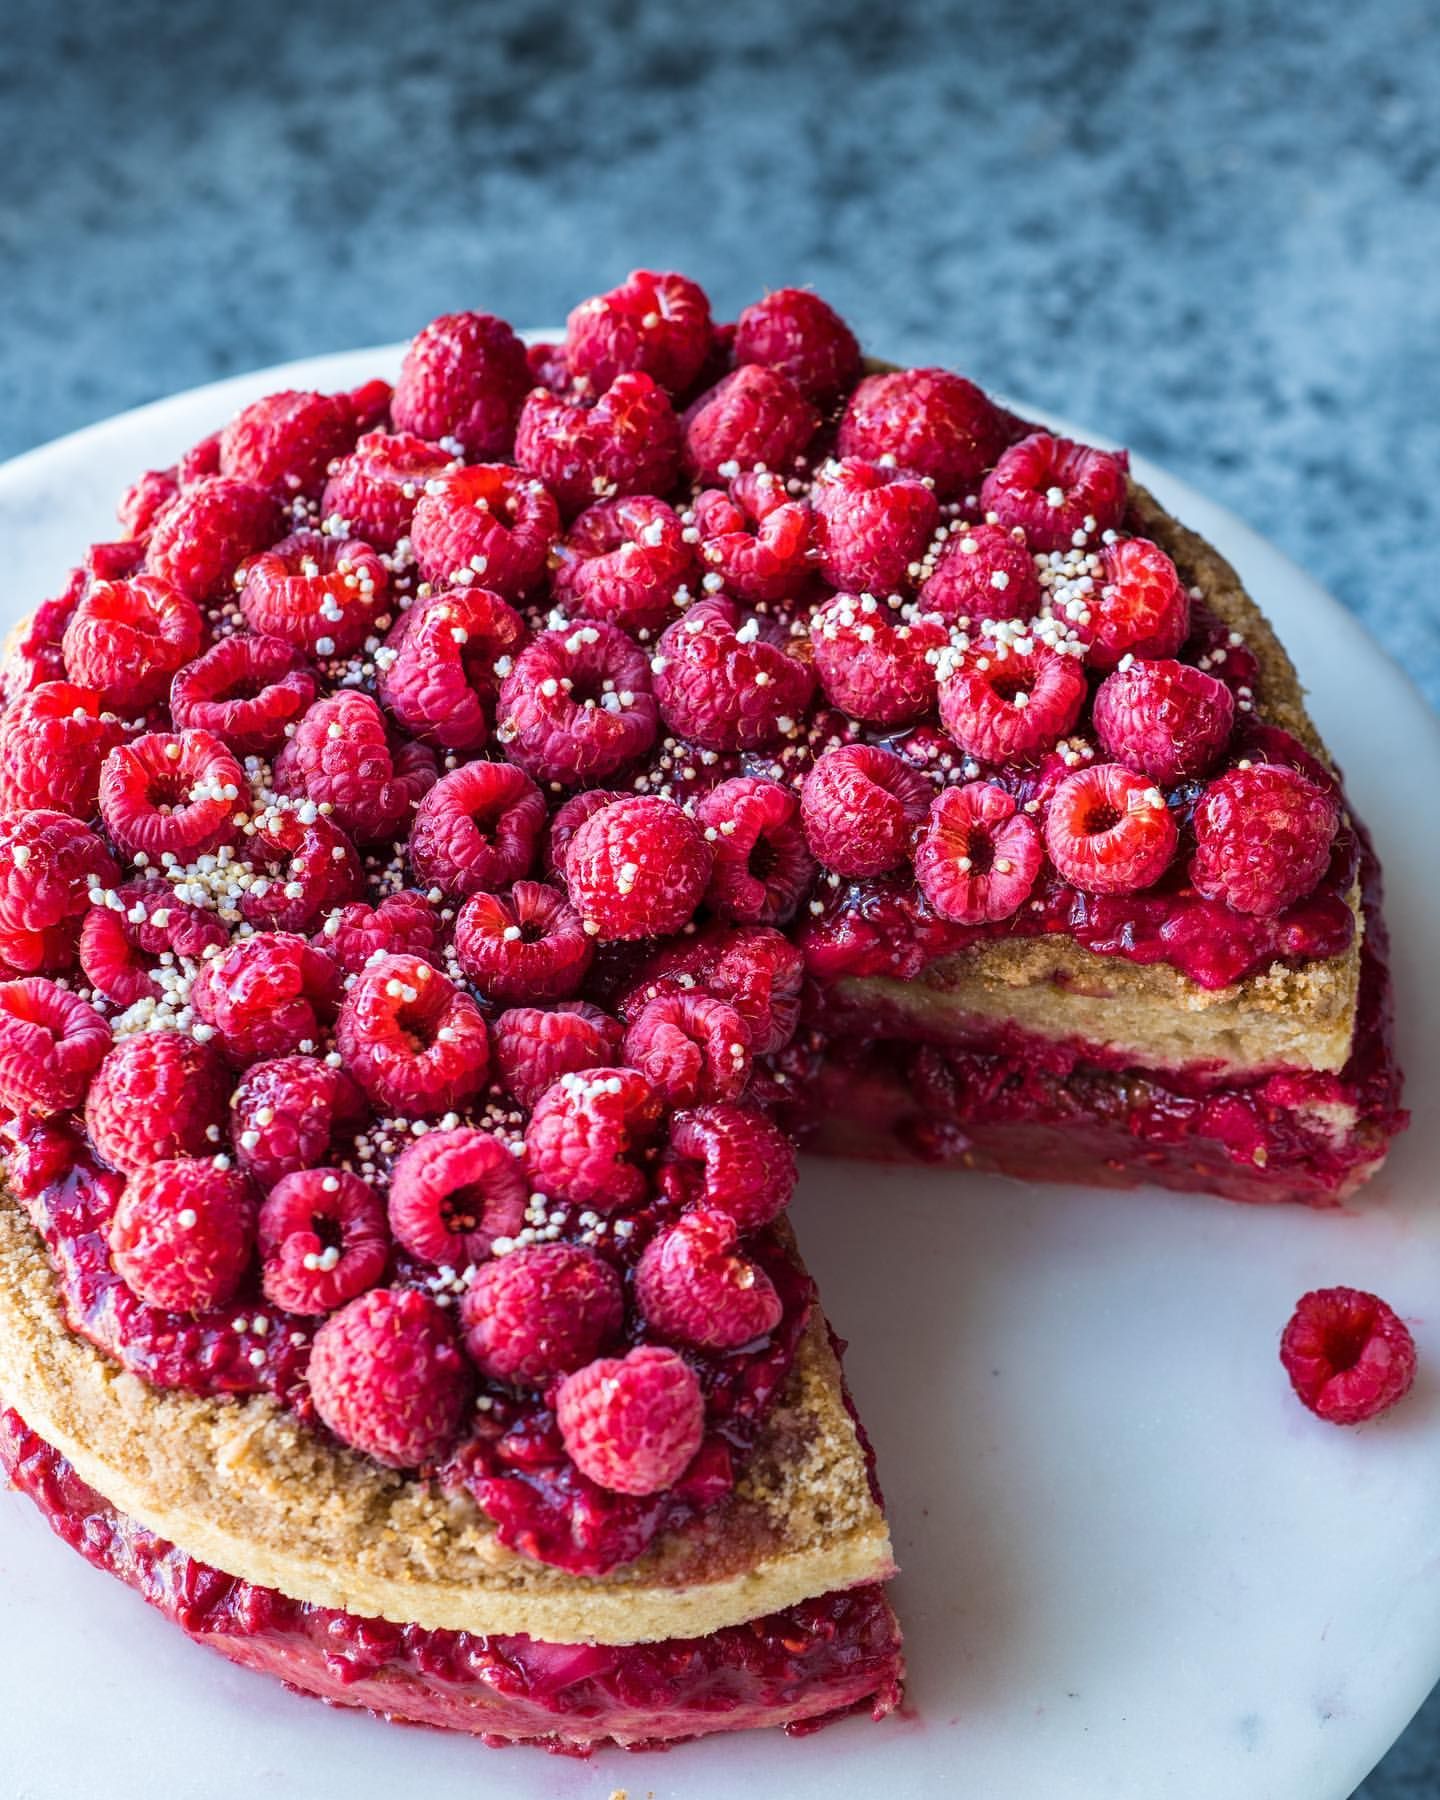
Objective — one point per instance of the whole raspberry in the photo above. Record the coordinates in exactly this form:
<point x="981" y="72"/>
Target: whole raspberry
<point x="207" y="531"/>
<point x="477" y="829"/>
<point x="1055" y="489"/>
<point x="342" y="757"/>
<point x="400" y="922"/>
<point x="549" y="367"/>
<point x="127" y="638"/>
<point x="369" y="404"/>
<point x="31" y="652"/>
<point x="928" y="421"/>
<point x="1164" y="718"/>
<point x="978" y="857"/>
<point x="49" y="863"/>
<point x="983" y="572"/>
<point x="123" y="945"/>
<point x="588" y="1135"/>
<point x="1221" y="652"/>
<point x="761" y="865"/>
<point x="860" y="807"/>
<point x="540" y="1312"/>
<point x="294" y="1112"/>
<point x="1142" y="608"/>
<point x="757" y="969"/>
<point x="753" y="416"/>
<point x="175" y="792"/>
<point x="145" y="499"/>
<point x="414" y="1041"/>
<point x="567" y="819"/>
<point x="51" y="1043"/>
<point x="795" y="331"/>
<point x="323" y="1240"/>
<point x="1348" y="1355"/>
<point x="1108" y="830"/>
<point x="52" y="742"/>
<point x="1003" y="704"/>
<point x="692" y="1285"/>
<point x="872" y="525"/>
<point x="627" y="442"/>
<point x="157" y="1095"/>
<point x="691" y="1047"/>
<point x="637" y="868"/>
<point x="1262" y="838"/>
<point x="199" y="462"/>
<point x="578" y="705"/>
<point x="183" y="1233"/>
<point x="730" y="1159"/>
<point x="755" y="537"/>
<point x="322" y="594"/>
<point x="535" y="1046"/>
<point x="441" y="670"/>
<point x="303" y="868"/>
<point x="659" y="324"/>
<point x="267" y="995"/>
<point x="723" y="685"/>
<point x="876" y="659"/>
<point x="487" y="522"/>
<point x="632" y="1423"/>
<point x="527" y="945"/>
<point x="622" y="561"/>
<point x="463" y="377"/>
<point x="389" y="1378"/>
<point x="374" y="490"/>
<point x="245" y="691"/>
<point x="453" y="1193"/>
<point x="286" y="442"/>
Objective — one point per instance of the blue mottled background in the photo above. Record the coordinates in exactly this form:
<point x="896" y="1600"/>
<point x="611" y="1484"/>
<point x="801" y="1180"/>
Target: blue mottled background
<point x="1212" y="231"/>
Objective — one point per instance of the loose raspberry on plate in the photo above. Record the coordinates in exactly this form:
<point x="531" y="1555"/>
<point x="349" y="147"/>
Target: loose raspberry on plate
<point x="1055" y="489"/>
<point x="51" y="1043"/>
<point x="637" y="868"/>
<point x="658" y="324"/>
<point x="720" y="683"/>
<point x="753" y="417"/>
<point x="374" y="491"/>
<point x="1141" y="609"/>
<point x="286" y="442"/>
<point x="157" y="1095"/>
<point x="761" y="864"/>
<point x="453" y="1193"/>
<point x="757" y="969"/>
<point x="323" y="1240"/>
<point x="796" y="332"/>
<point x="477" y="829"/>
<point x="325" y="595"/>
<point x="633" y="1423"/>
<point x="755" y="537"/>
<point x="540" y="1313"/>
<point x="341" y="756"/>
<point x="691" y="1047"/>
<point x="291" y="1113"/>
<point x="589" y="1135"/>
<point x="175" y="792"/>
<point x="49" y="863"/>
<point x="692" y="1285"/>
<point x="861" y="806"/>
<point x="1164" y="718"/>
<point x="389" y="1378"/>
<point x="463" y="378"/>
<point x="877" y="659"/>
<point x="125" y="944"/>
<point x="1004" y="703"/>
<point x="1348" y="1355"/>
<point x="207" y="531"/>
<point x="872" y="525"/>
<point x="1262" y="837"/>
<point x="183" y="1233"/>
<point x="303" y="868"/>
<point x="979" y="856"/>
<point x="52" y="742"/>
<point x="400" y="922"/>
<point x="441" y="670"/>
<point x="1108" y="830"/>
<point x="983" y="572"/>
<point x="623" y="561"/>
<point x="126" y="639"/>
<point x="627" y="442"/>
<point x="528" y="944"/>
<point x="245" y="690"/>
<point x="414" y="1041"/>
<point x="730" y="1159"/>
<point x="577" y="705"/>
<point x="267" y="995"/>
<point x="486" y="523"/>
<point x="928" y="421"/>
<point x="535" y="1046"/>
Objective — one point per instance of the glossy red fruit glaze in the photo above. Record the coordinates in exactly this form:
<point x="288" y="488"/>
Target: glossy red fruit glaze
<point x="577" y="705"/>
<point x="441" y="669"/>
<point x="52" y="742"/>
<point x="51" y="1043"/>
<point x="730" y="1159"/>
<point x="755" y="537"/>
<point x="693" y="1286"/>
<point x="389" y="1378"/>
<point x="266" y="996"/>
<point x="1108" y="830"/>
<point x="1164" y="718"/>
<point x="126" y="639"/>
<point x="172" y="791"/>
<point x="632" y="1423"/>
<point x="526" y="945"/>
<point x="414" y="1041"/>
<point x="637" y="868"/>
<point x="978" y="857"/>
<point x="1262" y="838"/>
<point x="304" y="868"/>
<point x="1141" y="608"/>
<point x="796" y="332"/>
<point x="754" y="416"/>
<point x="342" y="756"/>
<point x="761" y="865"/>
<point x="627" y="442"/>
<point x="183" y="1233"/>
<point x="1003" y="704"/>
<point x="540" y="1312"/>
<point x="207" y="531"/>
<point x="589" y="1135"/>
<point x="463" y="378"/>
<point x="872" y="525"/>
<point x="691" y="1047"/>
<point x="722" y="682"/>
<point x="535" y="1046"/>
<point x="245" y="690"/>
<point x="757" y="969"/>
<point x="656" y="323"/>
<point x="323" y="1240"/>
<point x="623" y="561"/>
<point x="49" y="863"/>
<point x="292" y="1113"/>
<point x="876" y="659"/>
<point x="453" y="1193"/>
<point x="406" y="921"/>
<point x="1053" y="488"/>
<point x="477" y="829"/>
<point x="929" y="421"/>
<point x="861" y="806"/>
<point x="374" y="490"/>
<point x="156" y="1096"/>
<point x="122" y="946"/>
<point x="287" y="441"/>
<point x="1348" y="1355"/>
<point x="488" y="523"/>
<point x="325" y="595"/>
<point x="983" y="572"/>
<point x="145" y="499"/>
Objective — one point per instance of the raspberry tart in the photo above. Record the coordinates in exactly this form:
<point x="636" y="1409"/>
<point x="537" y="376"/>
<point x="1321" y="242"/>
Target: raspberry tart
<point x="459" y="839"/>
